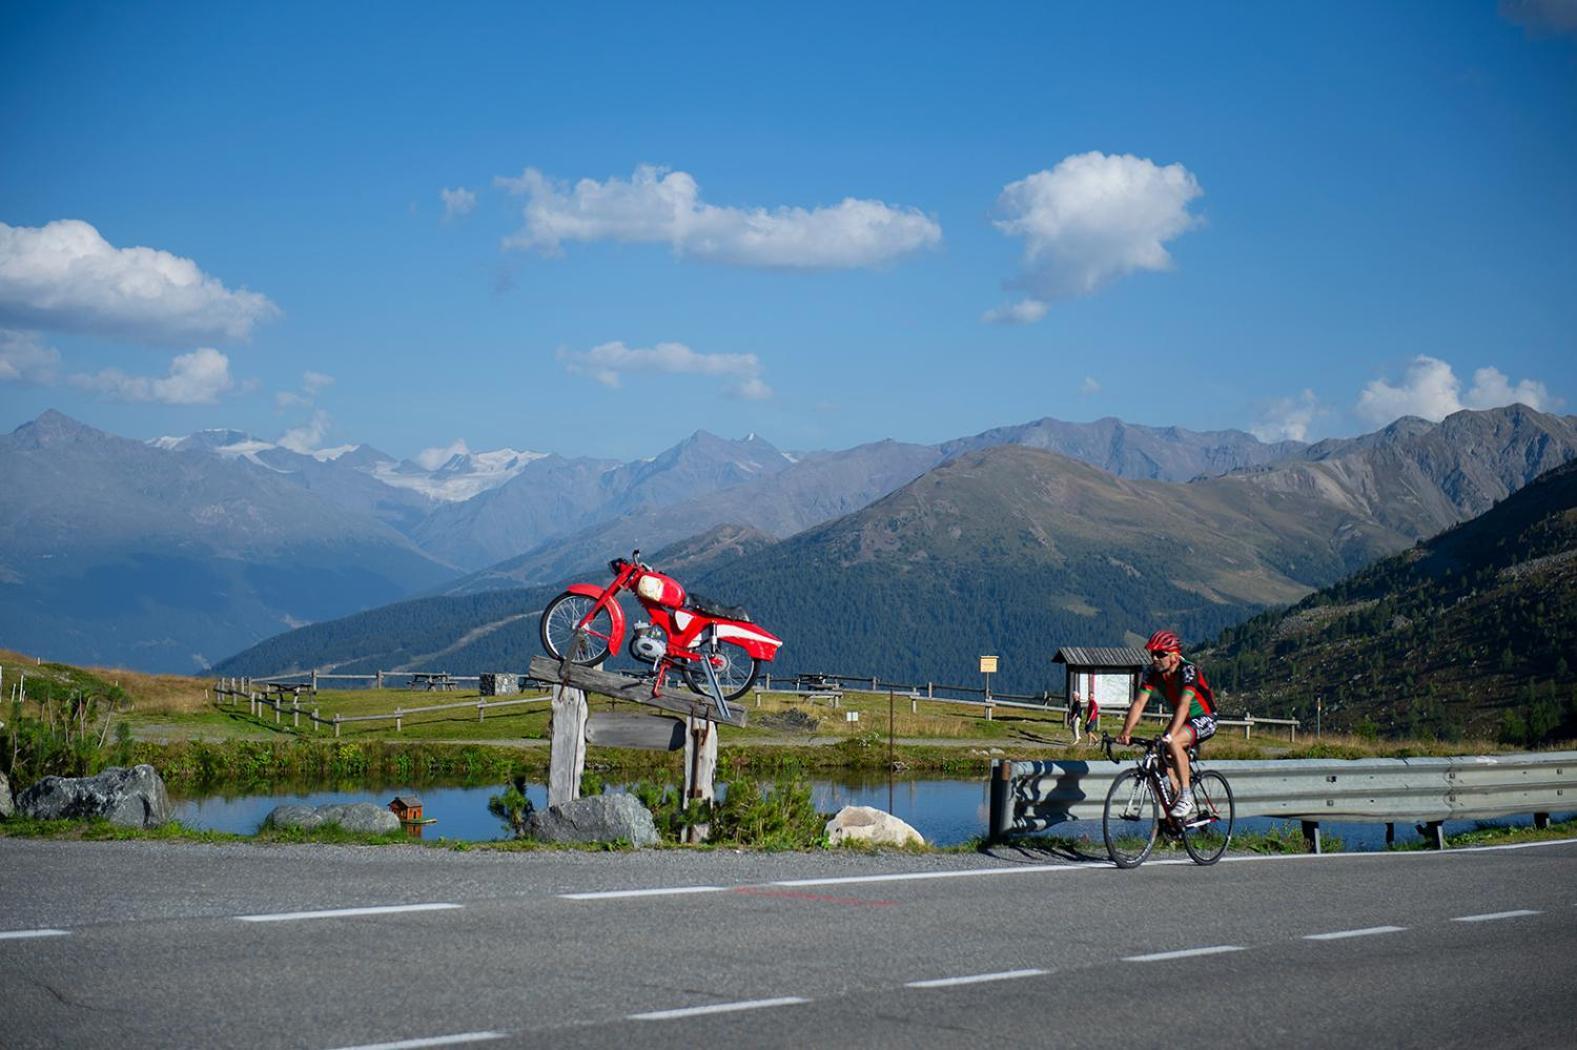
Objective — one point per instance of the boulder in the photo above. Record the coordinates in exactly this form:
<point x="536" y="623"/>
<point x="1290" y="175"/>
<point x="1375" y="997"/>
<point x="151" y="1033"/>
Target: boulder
<point x="362" y="817"/>
<point x="133" y="798"/>
<point x="601" y="818"/>
<point x="7" y="803"/>
<point x="292" y="816"/>
<point x="866" y="824"/>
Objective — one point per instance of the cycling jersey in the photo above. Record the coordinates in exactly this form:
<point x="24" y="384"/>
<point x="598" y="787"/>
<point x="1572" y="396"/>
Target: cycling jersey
<point x="1185" y="686"/>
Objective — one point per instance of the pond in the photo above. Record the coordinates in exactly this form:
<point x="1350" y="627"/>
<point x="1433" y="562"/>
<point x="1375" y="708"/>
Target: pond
<point x="946" y="811"/>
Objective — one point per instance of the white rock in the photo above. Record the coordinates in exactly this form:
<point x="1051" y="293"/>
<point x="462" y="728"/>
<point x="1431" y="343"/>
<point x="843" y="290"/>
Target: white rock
<point x="867" y="824"/>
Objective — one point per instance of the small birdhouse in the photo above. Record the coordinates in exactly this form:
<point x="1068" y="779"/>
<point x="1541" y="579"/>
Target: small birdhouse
<point x="407" y="807"/>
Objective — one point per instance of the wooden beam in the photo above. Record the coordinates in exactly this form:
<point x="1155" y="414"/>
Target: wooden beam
<point x="644" y="732"/>
<point x="625" y="687"/>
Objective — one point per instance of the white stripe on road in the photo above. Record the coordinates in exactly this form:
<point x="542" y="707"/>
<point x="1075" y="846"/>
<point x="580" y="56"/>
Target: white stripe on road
<point x="979" y="978"/>
<point x="287" y="916"/>
<point x="1495" y="915"/>
<point x="913" y="876"/>
<point x="717" y="1008"/>
<point x="1186" y="953"/>
<point x="664" y="891"/>
<point x="1367" y="931"/>
<point x="18" y="935"/>
<point x="437" y="1040"/>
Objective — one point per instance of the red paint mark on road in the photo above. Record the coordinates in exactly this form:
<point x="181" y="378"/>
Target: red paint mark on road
<point x="816" y="898"/>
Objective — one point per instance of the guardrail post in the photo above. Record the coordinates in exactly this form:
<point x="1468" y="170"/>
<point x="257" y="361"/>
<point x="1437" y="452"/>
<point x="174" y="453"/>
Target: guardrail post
<point x="1390" y="834"/>
<point x="1311" y="835"/>
<point x="1001" y="819"/>
<point x="1541" y="820"/>
<point x="1434" y="833"/>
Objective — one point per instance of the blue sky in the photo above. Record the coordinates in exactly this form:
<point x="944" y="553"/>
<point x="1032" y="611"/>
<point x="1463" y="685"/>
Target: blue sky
<point x="825" y="224"/>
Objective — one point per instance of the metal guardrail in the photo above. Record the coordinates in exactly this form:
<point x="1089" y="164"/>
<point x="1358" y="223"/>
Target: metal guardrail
<point x="1040" y="795"/>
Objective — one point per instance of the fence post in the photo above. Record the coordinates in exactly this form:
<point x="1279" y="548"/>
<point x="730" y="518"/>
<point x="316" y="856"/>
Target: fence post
<point x="380" y="679"/>
<point x="314" y="683"/>
<point x="989" y="706"/>
<point x="275" y="705"/>
<point x="397" y="719"/>
<point x="314" y="720"/>
<point x="336" y="725"/>
<point x="928" y="694"/>
<point x="914" y="706"/>
<point x="481" y="710"/>
<point x="873" y="683"/>
<point x="1248" y="725"/>
<point x="295" y="712"/>
<point x="1001" y="820"/>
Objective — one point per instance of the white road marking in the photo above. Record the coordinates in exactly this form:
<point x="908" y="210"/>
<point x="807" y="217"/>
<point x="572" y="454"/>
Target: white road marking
<point x="336" y="913"/>
<point x="664" y="891"/>
<point x="437" y="1040"/>
<point x="1368" y="931"/>
<point x="18" y="935"/>
<point x="717" y="1008"/>
<point x="1184" y="954"/>
<point x="1496" y="915"/>
<point x="1006" y="975"/>
<point x="434" y="1041"/>
<point x="914" y="876"/>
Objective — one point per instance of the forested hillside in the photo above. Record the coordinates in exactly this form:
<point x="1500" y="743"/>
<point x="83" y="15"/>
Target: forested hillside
<point x="1475" y="630"/>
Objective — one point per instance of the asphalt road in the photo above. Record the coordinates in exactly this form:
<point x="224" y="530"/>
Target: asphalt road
<point x="175" y="944"/>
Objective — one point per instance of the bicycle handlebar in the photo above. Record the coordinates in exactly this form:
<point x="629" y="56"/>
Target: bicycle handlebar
<point x="1108" y="741"/>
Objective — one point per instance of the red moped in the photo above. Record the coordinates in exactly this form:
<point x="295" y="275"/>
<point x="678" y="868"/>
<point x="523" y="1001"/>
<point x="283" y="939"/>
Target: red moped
<point x="715" y="647"/>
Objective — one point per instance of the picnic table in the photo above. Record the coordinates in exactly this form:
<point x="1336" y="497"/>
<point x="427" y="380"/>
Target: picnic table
<point x="433" y="680"/>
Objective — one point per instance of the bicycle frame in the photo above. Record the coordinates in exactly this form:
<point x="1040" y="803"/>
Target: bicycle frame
<point x="1154" y="766"/>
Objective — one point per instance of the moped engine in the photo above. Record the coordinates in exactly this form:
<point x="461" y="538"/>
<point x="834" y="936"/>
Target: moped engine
<point x="649" y="643"/>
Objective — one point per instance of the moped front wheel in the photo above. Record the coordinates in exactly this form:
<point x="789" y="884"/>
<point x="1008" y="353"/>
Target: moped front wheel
<point x="561" y="622"/>
<point x="736" y="669"/>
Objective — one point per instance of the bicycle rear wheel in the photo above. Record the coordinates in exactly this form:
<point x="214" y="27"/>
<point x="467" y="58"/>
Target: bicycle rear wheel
<point x="1208" y="832"/>
<point x="1131" y="819"/>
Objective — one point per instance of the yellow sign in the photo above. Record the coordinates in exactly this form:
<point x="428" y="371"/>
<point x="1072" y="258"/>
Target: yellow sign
<point x="988" y="665"/>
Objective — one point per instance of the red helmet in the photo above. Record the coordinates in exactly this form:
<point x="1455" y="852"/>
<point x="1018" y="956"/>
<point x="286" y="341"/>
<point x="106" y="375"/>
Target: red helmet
<point x="1164" y="641"/>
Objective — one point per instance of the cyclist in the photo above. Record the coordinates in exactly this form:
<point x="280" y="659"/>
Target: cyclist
<point x="1182" y="685"/>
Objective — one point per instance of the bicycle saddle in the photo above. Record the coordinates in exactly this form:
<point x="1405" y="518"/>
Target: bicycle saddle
<point x="707" y="607"/>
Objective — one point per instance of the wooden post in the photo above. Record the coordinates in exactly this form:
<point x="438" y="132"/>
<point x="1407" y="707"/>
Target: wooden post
<point x="700" y="763"/>
<point x="380" y="679"/>
<point x="295" y="711"/>
<point x="315" y="720"/>
<point x="398" y="718"/>
<point x="336" y="725"/>
<point x="481" y="710"/>
<point x="989" y="706"/>
<point x="314" y="683"/>
<point x="1248" y="725"/>
<point x="914" y="707"/>
<point x="567" y="747"/>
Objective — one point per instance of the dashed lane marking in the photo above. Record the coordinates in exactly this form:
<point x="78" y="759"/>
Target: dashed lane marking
<point x="979" y="978"/>
<point x="1368" y="931"/>
<point x="437" y="1040"/>
<point x="21" y="935"/>
<point x="717" y="1008"/>
<point x="1492" y="916"/>
<point x="665" y="891"/>
<point x="337" y="913"/>
<point x="1186" y="953"/>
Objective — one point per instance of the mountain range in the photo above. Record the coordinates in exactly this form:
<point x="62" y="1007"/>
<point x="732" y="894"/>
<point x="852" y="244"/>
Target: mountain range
<point x="1012" y="550"/>
<point x="171" y="553"/>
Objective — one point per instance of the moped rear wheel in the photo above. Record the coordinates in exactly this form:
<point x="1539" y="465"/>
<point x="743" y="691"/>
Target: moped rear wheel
<point x="559" y="623"/>
<point x="736" y="669"/>
<point x="1131" y="820"/>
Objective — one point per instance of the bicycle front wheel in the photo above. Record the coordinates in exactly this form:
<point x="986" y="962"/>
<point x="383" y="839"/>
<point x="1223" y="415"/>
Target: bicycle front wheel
<point x="1132" y="819"/>
<point x="1208" y="832"/>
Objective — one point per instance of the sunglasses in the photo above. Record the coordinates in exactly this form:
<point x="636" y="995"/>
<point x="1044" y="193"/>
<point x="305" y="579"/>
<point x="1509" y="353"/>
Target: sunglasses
<point x="1157" y="654"/>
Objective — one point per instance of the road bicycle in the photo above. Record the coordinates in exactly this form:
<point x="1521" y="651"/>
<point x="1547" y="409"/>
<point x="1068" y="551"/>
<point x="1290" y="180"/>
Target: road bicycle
<point x="716" y="647"/>
<point x="1140" y="802"/>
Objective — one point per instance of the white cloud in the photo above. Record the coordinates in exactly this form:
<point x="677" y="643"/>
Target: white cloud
<point x="605" y="364"/>
<point x="197" y="378"/>
<point x="312" y="384"/>
<point x="1432" y="390"/>
<point x="315" y="383"/>
<point x="657" y="206"/>
<point x="433" y="458"/>
<point x="1090" y="220"/>
<point x="1288" y="418"/>
<point x="24" y="359"/>
<point x="64" y="276"/>
<point x="457" y="202"/>
<point x="1025" y="311"/>
<point x="1541" y="16"/>
<point x="1091" y="385"/>
<point x="309" y="435"/>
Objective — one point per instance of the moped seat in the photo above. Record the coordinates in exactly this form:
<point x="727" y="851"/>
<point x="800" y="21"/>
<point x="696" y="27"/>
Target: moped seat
<point x="708" y="607"/>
